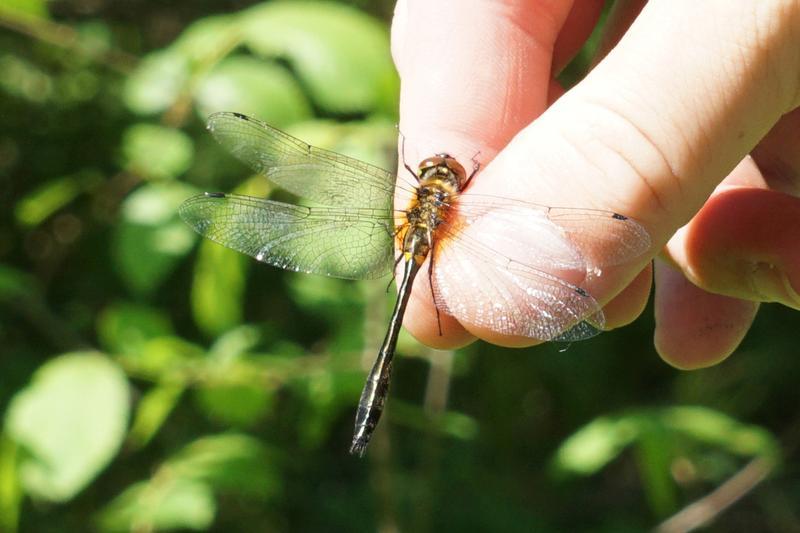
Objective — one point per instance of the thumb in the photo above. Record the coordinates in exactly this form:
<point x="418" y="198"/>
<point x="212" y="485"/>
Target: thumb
<point x="685" y="95"/>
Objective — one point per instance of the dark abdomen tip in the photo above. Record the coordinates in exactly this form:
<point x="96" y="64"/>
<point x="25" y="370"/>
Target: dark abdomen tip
<point x="359" y="445"/>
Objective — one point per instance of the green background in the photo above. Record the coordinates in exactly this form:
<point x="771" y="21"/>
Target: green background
<point x="150" y="381"/>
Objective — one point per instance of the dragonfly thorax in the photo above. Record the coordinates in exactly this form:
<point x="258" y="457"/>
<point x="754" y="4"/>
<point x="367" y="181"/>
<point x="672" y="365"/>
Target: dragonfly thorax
<point x="440" y="180"/>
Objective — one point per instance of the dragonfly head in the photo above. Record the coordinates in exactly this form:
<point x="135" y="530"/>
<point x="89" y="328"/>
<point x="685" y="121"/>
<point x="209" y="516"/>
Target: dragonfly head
<point x="442" y="166"/>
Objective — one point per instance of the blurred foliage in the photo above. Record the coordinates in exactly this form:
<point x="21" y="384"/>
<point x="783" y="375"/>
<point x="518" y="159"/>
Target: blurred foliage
<point x="153" y="382"/>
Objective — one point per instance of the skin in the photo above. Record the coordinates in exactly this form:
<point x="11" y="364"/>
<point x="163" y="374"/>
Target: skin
<point x="686" y="124"/>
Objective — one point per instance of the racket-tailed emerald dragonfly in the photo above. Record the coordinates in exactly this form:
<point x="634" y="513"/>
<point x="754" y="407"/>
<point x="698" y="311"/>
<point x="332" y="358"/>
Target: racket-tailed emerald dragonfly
<point x="523" y="262"/>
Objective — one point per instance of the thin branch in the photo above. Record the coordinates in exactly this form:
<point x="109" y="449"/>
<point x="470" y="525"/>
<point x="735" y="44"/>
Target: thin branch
<point x="707" y="508"/>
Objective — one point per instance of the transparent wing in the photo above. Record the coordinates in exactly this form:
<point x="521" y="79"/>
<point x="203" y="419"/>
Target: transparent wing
<point x="344" y="243"/>
<point x="509" y="297"/>
<point x="319" y="175"/>
<point x="604" y="238"/>
<point x="515" y="267"/>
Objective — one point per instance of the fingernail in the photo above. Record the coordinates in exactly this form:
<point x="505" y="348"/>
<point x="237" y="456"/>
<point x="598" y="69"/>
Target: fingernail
<point x="771" y="283"/>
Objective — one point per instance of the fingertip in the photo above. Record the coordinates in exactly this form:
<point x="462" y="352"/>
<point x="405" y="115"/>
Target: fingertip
<point x="743" y="244"/>
<point x="626" y="306"/>
<point x="694" y="328"/>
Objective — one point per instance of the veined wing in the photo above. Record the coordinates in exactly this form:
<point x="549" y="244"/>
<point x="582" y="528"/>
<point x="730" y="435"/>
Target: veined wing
<point x="510" y="297"/>
<point x="354" y="243"/>
<point x="320" y="175"/>
<point x="603" y="238"/>
<point x="515" y="267"/>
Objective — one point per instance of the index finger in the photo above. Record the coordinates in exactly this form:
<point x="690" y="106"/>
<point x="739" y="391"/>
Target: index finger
<point x="474" y="73"/>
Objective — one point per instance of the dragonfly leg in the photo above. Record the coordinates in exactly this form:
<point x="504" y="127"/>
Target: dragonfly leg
<point x="476" y="165"/>
<point x="394" y="270"/>
<point x="431" y="255"/>
<point x="403" y="155"/>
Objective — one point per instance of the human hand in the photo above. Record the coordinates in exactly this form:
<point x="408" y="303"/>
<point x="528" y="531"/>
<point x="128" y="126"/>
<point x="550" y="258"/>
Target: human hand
<point x="652" y="132"/>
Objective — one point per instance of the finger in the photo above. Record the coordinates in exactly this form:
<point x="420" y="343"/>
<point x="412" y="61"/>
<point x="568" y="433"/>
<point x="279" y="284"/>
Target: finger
<point x="661" y="120"/>
<point x="626" y="306"/>
<point x="743" y="242"/>
<point x="695" y="328"/>
<point x="778" y="155"/>
<point x="473" y="74"/>
<point x="775" y="165"/>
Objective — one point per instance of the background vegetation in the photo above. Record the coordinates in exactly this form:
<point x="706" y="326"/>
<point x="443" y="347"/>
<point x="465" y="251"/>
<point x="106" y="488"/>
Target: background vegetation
<point x="150" y="381"/>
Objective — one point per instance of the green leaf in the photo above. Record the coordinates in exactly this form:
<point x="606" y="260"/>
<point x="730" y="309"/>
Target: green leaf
<point x="163" y="358"/>
<point x="218" y="285"/>
<point x="718" y="429"/>
<point x="124" y="328"/>
<point x="233" y="463"/>
<point x="180" y="493"/>
<point x="253" y="87"/>
<point x="208" y="39"/>
<point x="39" y="204"/>
<point x="157" y="83"/>
<point x="151" y="239"/>
<point x="595" y="445"/>
<point x="25" y="8"/>
<point x="70" y="422"/>
<point x="156" y="152"/>
<point x="234" y="343"/>
<point x="374" y="141"/>
<point x="339" y="53"/>
<point x="152" y="411"/>
<point x="15" y="283"/>
<point x="237" y="404"/>
<point x="157" y="506"/>
<point x="10" y="490"/>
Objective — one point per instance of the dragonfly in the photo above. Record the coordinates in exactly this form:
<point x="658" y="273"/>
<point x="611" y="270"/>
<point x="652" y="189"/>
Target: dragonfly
<point x="523" y="262"/>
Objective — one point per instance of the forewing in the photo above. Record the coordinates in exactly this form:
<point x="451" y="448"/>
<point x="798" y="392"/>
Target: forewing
<point x="343" y="243"/>
<point x="320" y="175"/>
<point x="602" y="238"/>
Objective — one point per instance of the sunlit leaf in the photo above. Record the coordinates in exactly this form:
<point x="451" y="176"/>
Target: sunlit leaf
<point x="125" y="327"/>
<point x="208" y="39"/>
<point x="157" y="506"/>
<point x="339" y="53"/>
<point x="218" y="288"/>
<point x="156" y="152"/>
<point x="253" y="87"/>
<point x="157" y="82"/>
<point x="151" y="239"/>
<point x="25" y="8"/>
<point x="152" y="411"/>
<point x="70" y="421"/>
<point x="163" y="357"/>
<point x="235" y="342"/>
<point x="595" y="445"/>
<point x="374" y="141"/>
<point x="10" y="489"/>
